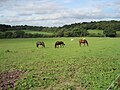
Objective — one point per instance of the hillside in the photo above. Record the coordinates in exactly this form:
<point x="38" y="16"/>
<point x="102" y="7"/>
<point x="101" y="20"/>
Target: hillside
<point x="104" y="28"/>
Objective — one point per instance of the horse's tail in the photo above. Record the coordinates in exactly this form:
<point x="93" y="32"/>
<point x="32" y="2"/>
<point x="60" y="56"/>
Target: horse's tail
<point x="55" y="45"/>
<point x="80" y="42"/>
<point x="87" y="42"/>
<point x="44" y="45"/>
<point x="37" y="45"/>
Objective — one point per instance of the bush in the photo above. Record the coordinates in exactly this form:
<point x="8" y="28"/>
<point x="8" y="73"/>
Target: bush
<point x="2" y="35"/>
<point x="9" y="34"/>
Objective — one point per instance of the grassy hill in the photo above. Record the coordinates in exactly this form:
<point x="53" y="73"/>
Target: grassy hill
<point x="39" y="32"/>
<point x="95" y="31"/>
<point x="99" y="33"/>
<point x="33" y="32"/>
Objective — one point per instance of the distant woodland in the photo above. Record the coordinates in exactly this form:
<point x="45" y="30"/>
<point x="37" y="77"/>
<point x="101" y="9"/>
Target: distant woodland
<point x="108" y="29"/>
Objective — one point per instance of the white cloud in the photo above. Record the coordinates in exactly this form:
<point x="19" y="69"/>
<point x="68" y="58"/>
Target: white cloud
<point x="52" y="13"/>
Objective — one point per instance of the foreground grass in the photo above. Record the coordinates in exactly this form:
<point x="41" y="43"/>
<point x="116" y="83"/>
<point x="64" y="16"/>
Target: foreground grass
<point x="71" y="67"/>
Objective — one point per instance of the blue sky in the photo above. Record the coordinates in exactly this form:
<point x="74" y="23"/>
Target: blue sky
<point x="57" y="12"/>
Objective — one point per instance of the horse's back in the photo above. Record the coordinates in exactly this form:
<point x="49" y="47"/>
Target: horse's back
<point x="40" y="42"/>
<point x="59" y="43"/>
<point x="83" y="41"/>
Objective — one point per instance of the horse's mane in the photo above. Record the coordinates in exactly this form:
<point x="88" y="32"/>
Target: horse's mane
<point x="83" y="41"/>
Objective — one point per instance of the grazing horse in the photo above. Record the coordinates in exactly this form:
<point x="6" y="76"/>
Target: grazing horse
<point x="83" y="41"/>
<point x="59" y="44"/>
<point x="40" y="43"/>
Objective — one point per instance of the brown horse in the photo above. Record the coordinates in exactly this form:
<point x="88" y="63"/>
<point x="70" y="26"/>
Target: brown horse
<point x="83" y="42"/>
<point x="59" y="44"/>
<point x="40" y="43"/>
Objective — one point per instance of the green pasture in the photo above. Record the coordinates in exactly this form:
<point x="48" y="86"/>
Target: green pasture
<point x="34" y="32"/>
<point x="39" y="32"/>
<point x="70" y="68"/>
<point x="99" y="31"/>
<point x="118" y="32"/>
<point x="96" y="31"/>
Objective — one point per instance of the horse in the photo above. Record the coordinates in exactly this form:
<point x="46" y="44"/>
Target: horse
<point x="40" y="43"/>
<point x="59" y="44"/>
<point x="83" y="42"/>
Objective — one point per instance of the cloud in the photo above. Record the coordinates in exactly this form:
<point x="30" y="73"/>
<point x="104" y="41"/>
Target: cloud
<point x="55" y="13"/>
<point x="3" y="1"/>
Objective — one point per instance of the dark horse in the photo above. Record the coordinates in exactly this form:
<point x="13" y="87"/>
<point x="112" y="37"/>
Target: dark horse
<point x="83" y="41"/>
<point x="59" y="44"/>
<point x="40" y="43"/>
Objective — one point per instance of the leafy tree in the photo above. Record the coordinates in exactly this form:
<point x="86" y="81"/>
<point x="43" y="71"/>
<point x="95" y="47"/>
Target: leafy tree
<point x="9" y="34"/>
<point x="60" y="33"/>
<point x="109" y="33"/>
<point x="4" y="27"/>
<point x="69" y="34"/>
<point x="19" y="34"/>
<point x="2" y="35"/>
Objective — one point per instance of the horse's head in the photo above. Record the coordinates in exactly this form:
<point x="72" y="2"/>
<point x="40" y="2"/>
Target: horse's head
<point x="63" y="43"/>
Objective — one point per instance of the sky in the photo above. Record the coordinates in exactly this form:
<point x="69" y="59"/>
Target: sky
<point x="57" y="12"/>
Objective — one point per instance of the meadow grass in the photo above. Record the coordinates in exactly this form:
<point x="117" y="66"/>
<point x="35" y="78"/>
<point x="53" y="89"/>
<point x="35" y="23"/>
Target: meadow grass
<point x="72" y="67"/>
<point x="101" y="32"/>
<point x="33" y="32"/>
<point x="96" y="31"/>
<point x="39" y="32"/>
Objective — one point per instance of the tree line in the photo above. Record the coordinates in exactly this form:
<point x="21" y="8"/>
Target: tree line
<point x="108" y="28"/>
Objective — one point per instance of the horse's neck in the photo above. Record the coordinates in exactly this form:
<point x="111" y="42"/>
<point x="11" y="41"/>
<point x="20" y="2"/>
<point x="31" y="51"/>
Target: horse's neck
<point x="83" y="40"/>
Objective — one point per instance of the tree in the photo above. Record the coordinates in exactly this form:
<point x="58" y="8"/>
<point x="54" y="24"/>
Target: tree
<point x="109" y="33"/>
<point x="19" y="34"/>
<point x="8" y="34"/>
<point x="2" y="35"/>
<point x="69" y="34"/>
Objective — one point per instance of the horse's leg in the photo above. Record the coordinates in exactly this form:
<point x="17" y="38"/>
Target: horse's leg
<point x="87" y="43"/>
<point x="80" y="44"/>
<point x="44" y="45"/>
<point x="57" y="46"/>
<point x="84" y="44"/>
<point x="37" y="45"/>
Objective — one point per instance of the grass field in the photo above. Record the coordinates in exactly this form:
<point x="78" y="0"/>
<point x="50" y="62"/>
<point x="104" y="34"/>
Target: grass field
<point x="34" y="32"/>
<point x="96" y="31"/>
<point x="39" y="32"/>
<point x="69" y="68"/>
